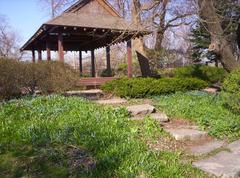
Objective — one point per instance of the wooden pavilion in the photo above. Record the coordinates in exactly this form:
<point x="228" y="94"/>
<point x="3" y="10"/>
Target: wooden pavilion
<point x="85" y="26"/>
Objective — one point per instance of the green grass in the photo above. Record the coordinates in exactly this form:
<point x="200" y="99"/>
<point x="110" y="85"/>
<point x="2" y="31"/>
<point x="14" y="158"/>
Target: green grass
<point x="45" y="136"/>
<point x="207" y="110"/>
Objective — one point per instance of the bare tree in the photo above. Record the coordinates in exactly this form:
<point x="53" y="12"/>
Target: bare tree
<point x="219" y="43"/>
<point x="55" y="6"/>
<point x="9" y="41"/>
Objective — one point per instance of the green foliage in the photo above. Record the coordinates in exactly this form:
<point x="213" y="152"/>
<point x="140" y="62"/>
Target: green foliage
<point x="206" y="73"/>
<point x="47" y="76"/>
<point x="206" y="110"/>
<point x="38" y="134"/>
<point x="231" y="88"/>
<point x="143" y="87"/>
<point x="106" y="73"/>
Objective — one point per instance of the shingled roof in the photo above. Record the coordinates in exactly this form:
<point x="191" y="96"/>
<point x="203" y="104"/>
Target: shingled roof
<point x="88" y="24"/>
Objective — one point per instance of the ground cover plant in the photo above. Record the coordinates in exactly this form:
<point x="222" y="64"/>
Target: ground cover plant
<point x="203" y="72"/>
<point x="207" y="110"/>
<point x="231" y="87"/>
<point x="55" y="136"/>
<point x="144" y="87"/>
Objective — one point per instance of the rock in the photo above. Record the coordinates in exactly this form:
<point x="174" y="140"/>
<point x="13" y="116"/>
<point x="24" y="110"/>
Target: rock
<point x="206" y="148"/>
<point x="186" y="134"/>
<point x="161" y="117"/>
<point x="112" y="101"/>
<point x="141" y="110"/>
<point x="211" y="90"/>
<point x="234" y="147"/>
<point x="224" y="164"/>
<point x="89" y="94"/>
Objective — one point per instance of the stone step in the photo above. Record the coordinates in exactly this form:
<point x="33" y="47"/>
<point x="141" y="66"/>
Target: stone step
<point x="112" y="101"/>
<point x="206" y="147"/>
<point x="224" y="164"/>
<point x="89" y="94"/>
<point x="141" y="110"/>
<point x="234" y="146"/>
<point x="186" y="134"/>
<point x="160" y="117"/>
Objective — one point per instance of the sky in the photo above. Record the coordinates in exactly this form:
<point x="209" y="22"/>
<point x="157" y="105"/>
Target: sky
<point x="24" y="16"/>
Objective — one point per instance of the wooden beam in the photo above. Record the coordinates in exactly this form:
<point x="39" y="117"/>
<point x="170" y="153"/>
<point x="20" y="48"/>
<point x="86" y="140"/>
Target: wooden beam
<point x="33" y="56"/>
<point x="80" y="63"/>
<point x="108" y="60"/>
<point x="48" y="51"/>
<point x="93" y="69"/>
<point x="60" y="47"/>
<point x="129" y="58"/>
<point x="39" y="55"/>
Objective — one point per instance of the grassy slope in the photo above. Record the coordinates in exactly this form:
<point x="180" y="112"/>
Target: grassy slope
<point x="205" y="109"/>
<point x="36" y="134"/>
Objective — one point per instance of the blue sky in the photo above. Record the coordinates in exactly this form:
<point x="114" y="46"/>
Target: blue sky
<point x="24" y="16"/>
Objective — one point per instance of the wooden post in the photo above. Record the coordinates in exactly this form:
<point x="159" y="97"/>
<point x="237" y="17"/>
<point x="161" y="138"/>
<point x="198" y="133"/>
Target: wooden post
<point x="60" y="47"/>
<point x="80" y="63"/>
<point x="48" y="51"/>
<point x="33" y="56"/>
<point x="108" y="60"/>
<point x="93" y="70"/>
<point x="129" y="58"/>
<point x="39" y="55"/>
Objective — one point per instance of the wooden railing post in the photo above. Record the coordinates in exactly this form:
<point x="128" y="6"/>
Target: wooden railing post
<point x="129" y="58"/>
<point x="93" y="70"/>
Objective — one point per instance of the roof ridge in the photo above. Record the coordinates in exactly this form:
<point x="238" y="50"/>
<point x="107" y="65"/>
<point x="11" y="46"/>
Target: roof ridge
<point x="84" y="2"/>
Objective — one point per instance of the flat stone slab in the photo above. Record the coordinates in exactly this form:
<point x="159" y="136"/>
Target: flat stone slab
<point x="186" y="134"/>
<point x="210" y="90"/>
<point x="85" y="92"/>
<point x="224" y="164"/>
<point x="90" y="94"/>
<point x="161" y="117"/>
<point x="141" y="110"/>
<point x="234" y="146"/>
<point x="206" y="148"/>
<point x="112" y="101"/>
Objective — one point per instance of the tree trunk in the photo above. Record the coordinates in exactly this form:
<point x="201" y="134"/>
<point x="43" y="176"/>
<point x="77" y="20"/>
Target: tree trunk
<point x="219" y="44"/>
<point x="138" y="44"/>
<point x="161" y="29"/>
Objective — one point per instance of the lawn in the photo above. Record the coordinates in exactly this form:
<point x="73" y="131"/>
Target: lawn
<point x="207" y="110"/>
<point x="56" y="136"/>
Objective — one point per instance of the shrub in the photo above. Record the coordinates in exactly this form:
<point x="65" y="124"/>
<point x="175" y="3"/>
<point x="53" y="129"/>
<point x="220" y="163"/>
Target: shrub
<point x="54" y="77"/>
<point x="206" y="73"/>
<point x="106" y="73"/>
<point x="231" y="87"/>
<point x="49" y="77"/>
<point x="10" y="78"/>
<point x="142" y="87"/>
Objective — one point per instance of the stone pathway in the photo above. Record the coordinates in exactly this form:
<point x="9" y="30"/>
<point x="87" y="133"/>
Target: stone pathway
<point x="223" y="164"/>
<point x="206" y="147"/>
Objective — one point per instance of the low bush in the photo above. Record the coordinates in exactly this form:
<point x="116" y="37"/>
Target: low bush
<point x="49" y="77"/>
<point x="142" y="87"/>
<point x="206" y="73"/>
<point x="106" y="73"/>
<point x="231" y="87"/>
<point x="10" y="78"/>
<point x="55" y="77"/>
